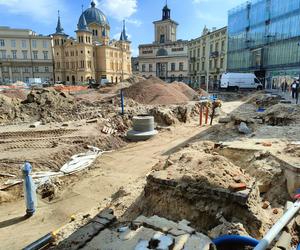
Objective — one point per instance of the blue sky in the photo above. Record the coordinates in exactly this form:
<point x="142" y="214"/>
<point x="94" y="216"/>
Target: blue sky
<point x="192" y="15"/>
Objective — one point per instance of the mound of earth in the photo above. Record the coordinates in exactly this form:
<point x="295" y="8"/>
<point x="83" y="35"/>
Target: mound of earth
<point x="282" y="114"/>
<point x="156" y="91"/>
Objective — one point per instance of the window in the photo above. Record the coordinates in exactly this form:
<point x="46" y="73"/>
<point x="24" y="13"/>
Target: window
<point x="24" y="52"/>
<point x="35" y="54"/>
<point x="191" y="54"/>
<point x="24" y="45"/>
<point x="45" y="44"/>
<point x="2" y="43"/>
<point x="198" y="52"/>
<point x="67" y="65"/>
<point x="217" y="47"/>
<point x="89" y="64"/>
<point x="162" y="39"/>
<point x="172" y="66"/>
<point x="181" y="66"/>
<point x="81" y="64"/>
<point x="203" y="65"/>
<point x="211" y="48"/>
<point x="210" y="64"/>
<point x="150" y="68"/>
<point x="46" y="69"/>
<point x="143" y="68"/>
<point x="15" y="70"/>
<point x="203" y="51"/>
<point x="14" y="54"/>
<point x="222" y="63"/>
<point x="216" y="63"/>
<point x="3" y="54"/>
<point x="198" y="66"/>
<point x="58" y="65"/>
<point x="13" y="43"/>
<point x="223" y="46"/>
<point x="45" y="55"/>
<point x="26" y="70"/>
<point x="34" y="44"/>
<point x="36" y="69"/>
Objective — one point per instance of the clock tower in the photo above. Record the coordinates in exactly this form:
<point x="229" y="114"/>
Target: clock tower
<point x="166" y="28"/>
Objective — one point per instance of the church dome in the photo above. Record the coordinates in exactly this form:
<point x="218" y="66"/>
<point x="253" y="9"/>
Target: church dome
<point x="93" y="15"/>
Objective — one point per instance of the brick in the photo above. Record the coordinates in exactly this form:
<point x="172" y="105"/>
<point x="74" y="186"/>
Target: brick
<point x="237" y="186"/>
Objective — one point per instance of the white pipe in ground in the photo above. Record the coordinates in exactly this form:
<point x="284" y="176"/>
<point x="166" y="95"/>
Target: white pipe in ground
<point x="279" y="225"/>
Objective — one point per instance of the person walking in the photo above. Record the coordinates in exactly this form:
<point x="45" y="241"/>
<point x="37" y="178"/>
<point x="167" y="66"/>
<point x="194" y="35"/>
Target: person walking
<point x="295" y="90"/>
<point x="285" y="86"/>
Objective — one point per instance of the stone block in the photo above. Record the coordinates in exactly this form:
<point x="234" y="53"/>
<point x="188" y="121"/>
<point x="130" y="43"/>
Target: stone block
<point x="180" y="241"/>
<point x="195" y="242"/>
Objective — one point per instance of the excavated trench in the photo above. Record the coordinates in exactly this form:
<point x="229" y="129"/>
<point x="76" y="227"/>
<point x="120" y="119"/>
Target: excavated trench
<point x="202" y="183"/>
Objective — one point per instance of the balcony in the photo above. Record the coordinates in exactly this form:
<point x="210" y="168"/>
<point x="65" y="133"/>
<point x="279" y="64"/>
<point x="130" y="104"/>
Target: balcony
<point x="214" y="54"/>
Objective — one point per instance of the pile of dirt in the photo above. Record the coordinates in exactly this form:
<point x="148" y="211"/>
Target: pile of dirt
<point x="282" y="114"/>
<point x="135" y="79"/>
<point x="15" y="93"/>
<point x="156" y="91"/>
<point x="264" y="100"/>
<point x="198" y="163"/>
<point x="167" y="116"/>
<point x="44" y="105"/>
<point x="198" y="184"/>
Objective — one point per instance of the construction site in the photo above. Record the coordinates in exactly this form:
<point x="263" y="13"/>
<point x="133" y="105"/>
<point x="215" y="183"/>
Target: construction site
<point x="205" y="166"/>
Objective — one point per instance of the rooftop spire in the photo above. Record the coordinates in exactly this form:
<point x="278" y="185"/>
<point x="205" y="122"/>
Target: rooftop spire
<point x="82" y="25"/>
<point x="123" y="36"/>
<point x="93" y="4"/>
<point x="166" y="12"/>
<point x="59" y="28"/>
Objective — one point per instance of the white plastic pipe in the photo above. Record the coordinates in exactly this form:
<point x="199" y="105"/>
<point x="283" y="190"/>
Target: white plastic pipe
<point x="279" y="225"/>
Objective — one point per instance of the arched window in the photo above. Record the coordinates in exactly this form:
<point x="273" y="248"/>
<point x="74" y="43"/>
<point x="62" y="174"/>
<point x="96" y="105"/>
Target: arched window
<point x="161" y="52"/>
<point x="68" y="78"/>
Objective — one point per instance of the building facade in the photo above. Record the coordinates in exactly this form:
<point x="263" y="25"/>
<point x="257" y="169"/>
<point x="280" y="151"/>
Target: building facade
<point x="24" y="55"/>
<point x="166" y="57"/>
<point x="208" y="58"/>
<point x="92" y="55"/>
<point x="263" y="38"/>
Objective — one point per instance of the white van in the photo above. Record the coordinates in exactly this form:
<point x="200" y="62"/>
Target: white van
<point x="238" y="81"/>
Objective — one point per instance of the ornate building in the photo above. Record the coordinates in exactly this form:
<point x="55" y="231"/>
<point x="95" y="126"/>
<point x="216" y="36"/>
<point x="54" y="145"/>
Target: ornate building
<point x="92" y="55"/>
<point x="166" y="57"/>
<point x="24" y="54"/>
<point x="208" y="58"/>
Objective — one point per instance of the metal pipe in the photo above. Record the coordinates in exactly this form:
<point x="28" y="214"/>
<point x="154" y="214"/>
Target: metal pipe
<point x="122" y="101"/>
<point x="279" y="225"/>
<point x="201" y="114"/>
<point x="38" y="244"/>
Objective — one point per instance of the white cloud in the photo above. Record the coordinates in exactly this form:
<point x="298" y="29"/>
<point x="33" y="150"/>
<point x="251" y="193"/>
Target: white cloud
<point x="135" y="22"/>
<point x="119" y="9"/>
<point x="40" y="10"/>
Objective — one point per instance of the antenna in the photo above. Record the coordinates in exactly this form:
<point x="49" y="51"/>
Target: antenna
<point x="58" y="13"/>
<point x="82" y="8"/>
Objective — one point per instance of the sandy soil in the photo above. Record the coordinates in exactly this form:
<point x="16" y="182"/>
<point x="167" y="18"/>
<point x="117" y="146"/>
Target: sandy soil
<point x="110" y="172"/>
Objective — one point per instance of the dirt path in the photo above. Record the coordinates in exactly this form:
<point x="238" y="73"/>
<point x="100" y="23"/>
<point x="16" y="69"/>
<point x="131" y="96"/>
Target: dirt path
<point x="110" y="172"/>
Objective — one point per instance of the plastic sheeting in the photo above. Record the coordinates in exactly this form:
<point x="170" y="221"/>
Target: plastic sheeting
<point x="77" y="163"/>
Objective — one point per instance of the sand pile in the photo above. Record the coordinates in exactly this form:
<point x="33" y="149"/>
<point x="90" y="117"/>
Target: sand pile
<point x="9" y="108"/>
<point x="199" y="164"/>
<point x="156" y="91"/>
<point x="282" y="114"/>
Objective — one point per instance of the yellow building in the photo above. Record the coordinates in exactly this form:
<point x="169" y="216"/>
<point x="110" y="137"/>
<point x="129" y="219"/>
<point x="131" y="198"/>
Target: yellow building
<point x="208" y="58"/>
<point x="92" y="55"/>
